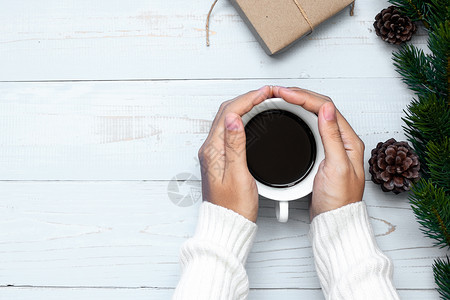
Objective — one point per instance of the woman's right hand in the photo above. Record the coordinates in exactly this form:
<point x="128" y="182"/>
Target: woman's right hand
<point x="340" y="179"/>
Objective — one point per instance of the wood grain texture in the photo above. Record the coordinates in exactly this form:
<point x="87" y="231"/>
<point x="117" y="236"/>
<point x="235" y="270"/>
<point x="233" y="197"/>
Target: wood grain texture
<point x="150" y="39"/>
<point x="128" y="234"/>
<point x="47" y="293"/>
<point x="152" y="130"/>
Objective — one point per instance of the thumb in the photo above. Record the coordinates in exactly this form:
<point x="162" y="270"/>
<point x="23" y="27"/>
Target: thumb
<point x="330" y="134"/>
<point x="235" y="155"/>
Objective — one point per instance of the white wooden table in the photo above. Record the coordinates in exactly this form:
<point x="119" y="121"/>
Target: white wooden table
<point x="103" y="102"/>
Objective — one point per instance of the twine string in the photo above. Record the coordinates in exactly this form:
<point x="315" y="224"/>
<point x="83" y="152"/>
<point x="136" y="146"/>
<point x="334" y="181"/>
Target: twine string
<point x="302" y="11"/>
<point x="207" y="22"/>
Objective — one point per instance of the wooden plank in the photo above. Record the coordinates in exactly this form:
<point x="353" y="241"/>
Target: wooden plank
<point x="128" y="234"/>
<point x="141" y="39"/>
<point x="153" y="129"/>
<point x="69" y="293"/>
<point x="30" y="293"/>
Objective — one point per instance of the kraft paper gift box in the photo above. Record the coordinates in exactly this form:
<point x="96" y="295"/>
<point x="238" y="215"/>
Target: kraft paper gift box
<point x="277" y="24"/>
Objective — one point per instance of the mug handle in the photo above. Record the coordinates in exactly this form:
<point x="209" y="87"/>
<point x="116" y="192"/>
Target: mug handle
<point x="282" y="211"/>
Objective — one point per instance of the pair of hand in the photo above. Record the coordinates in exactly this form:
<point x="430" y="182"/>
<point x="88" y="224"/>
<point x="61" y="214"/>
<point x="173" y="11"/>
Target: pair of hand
<point x="226" y="180"/>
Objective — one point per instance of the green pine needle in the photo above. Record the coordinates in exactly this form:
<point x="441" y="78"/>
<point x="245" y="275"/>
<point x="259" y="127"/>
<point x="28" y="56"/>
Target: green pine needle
<point x="439" y="42"/>
<point x="430" y="12"/>
<point x="438" y="162"/>
<point x="425" y="74"/>
<point x="413" y="9"/>
<point x="415" y="68"/>
<point x="427" y="119"/>
<point x="441" y="270"/>
<point x="431" y="207"/>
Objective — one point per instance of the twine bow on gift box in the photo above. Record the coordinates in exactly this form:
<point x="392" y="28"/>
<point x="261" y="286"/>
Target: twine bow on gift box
<point x="300" y="8"/>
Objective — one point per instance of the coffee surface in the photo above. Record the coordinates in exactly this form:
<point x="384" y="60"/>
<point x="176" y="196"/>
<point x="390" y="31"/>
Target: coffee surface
<point x="280" y="148"/>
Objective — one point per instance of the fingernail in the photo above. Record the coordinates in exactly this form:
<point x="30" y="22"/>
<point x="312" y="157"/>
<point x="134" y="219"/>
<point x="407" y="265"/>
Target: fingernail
<point x="232" y="123"/>
<point x="329" y="113"/>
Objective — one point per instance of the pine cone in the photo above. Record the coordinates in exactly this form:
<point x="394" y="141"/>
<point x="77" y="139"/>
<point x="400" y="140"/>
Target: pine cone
<point x="394" y="165"/>
<point x="393" y="27"/>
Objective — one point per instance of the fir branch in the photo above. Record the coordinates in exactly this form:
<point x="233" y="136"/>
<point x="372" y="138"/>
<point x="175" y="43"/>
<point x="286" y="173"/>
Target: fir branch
<point x="439" y="43"/>
<point x="437" y="13"/>
<point x="438" y="163"/>
<point x="430" y="12"/>
<point x="414" y="66"/>
<point x="413" y="9"/>
<point x="441" y="270"/>
<point x="430" y="205"/>
<point x="427" y="119"/>
<point x="422" y="73"/>
<point x="427" y="124"/>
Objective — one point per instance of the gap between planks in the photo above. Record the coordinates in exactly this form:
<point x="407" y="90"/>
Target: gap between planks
<point x="168" y="288"/>
<point x="100" y="181"/>
<point x="194" y="79"/>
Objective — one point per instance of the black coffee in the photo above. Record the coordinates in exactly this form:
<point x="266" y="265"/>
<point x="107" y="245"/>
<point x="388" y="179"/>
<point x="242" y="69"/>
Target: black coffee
<point x="280" y="148"/>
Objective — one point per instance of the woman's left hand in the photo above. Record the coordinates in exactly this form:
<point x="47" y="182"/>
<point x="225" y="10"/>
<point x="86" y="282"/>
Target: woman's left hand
<point x="226" y="180"/>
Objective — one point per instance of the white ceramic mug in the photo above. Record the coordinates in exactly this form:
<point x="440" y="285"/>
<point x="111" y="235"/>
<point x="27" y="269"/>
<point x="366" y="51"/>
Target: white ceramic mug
<point x="282" y="196"/>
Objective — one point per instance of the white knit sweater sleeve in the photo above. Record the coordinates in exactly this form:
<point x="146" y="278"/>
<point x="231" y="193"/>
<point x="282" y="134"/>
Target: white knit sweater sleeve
<point x="213" y="259"/>
<point x="348" y="261"/>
